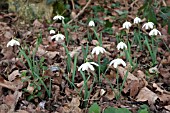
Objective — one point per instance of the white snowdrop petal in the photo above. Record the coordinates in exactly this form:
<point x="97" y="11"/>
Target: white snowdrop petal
<point x="115" y="65"/>
<point x="148" y="25"/>
<point x="12" y="43"/>
<point x="137" y="20"/>
<point x="91" y="23"/>
<point x="117" y="62"/>
<point x="98" y="50"/>
<point x="53" y="37"/>
<point x="91" y="67"/>
<point x="52" y="32"/>
<point x="94" y="63"/>
<point x="58" y="17"/>
<point x="127" y="25"/>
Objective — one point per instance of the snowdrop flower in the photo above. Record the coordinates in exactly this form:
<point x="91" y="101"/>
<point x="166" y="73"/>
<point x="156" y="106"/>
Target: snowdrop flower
<point x="98" y="50"/>
<point x="58" y="37"/>
<point x="91" y="23"/>
<point x="86" y="66"/>
<point x="12" y="43"/>
<point x="121" y="45"/>
<point x="52" y="31"/>
<point x="148" y="25"/>
<point x="154" y="32"/>
<point x="137" y="20"/>
<point x="127" y="25"/>
<point x="58" y="17"/>
<point x="117" y="62"/>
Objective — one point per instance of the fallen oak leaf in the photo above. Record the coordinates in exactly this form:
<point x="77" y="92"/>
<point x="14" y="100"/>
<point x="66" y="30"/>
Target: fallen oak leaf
<point x="146" y="95"/>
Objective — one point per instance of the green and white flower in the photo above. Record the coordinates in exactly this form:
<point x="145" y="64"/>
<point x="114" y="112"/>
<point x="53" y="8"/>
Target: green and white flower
<point x="121" y="45"/>
<point x="52" y="32"/>
<point x="117" y="62"/>
<point x="91" y="23"/>
<point x="58" y="17"/>
<point x="136" y="20"/>
<point x="86" y="66"/>
<point x="148" y="25"/>
<point x="127" y="25"/>
<point x="96" y="50"/>
<point x="58" y="37"/>
<point x="154" y="32"/>
<point x="12" y="43"/>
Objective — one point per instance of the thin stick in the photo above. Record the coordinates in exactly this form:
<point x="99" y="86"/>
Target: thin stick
<point x="80" y="12"/>
<point x="72" y="1"/>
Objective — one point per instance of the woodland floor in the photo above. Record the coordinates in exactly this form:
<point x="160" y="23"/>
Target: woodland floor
<point x="143" y="89"/>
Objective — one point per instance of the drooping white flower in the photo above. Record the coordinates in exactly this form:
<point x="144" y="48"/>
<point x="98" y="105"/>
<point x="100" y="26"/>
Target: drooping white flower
<point x="58" y="17"/>
<point x="12" y="43"/>
<point x="148" y="25"/>
<point x="136" y="20"/>
<point x="52" y="31"/>
<point x="127" y="25"/>
<point x="117" y="62"/>
<point x="91" y="23"/>
<point x="42" y="104"/>
<point x="98" y="50"/>
<point x="121" y="45"/>
<point x="154" y="32"/>
<point x="86" y="66"/>
<point x="58" y="37"/>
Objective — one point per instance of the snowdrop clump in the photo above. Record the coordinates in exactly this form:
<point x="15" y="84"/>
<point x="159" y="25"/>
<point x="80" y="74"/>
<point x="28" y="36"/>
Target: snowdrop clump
<point x="117" y="62"/>
<point x="96" y="50"/>
<point x="12" y="43"/>
<point x="136" y="20"/>
<point x="91" y="23"/>
<point x="127" y="25"/>
<point x="58" y="17"/>
<point x="86" y="66"/>
<point x="121" y="45"/>
<point x="154" y="32"/>
<point x="58" y="37"/>
<point x="148" y="25"/>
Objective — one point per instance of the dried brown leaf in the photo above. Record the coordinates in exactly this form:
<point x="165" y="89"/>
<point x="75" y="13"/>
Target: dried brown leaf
<point x="4" y="108"/>
<point x="132" y="82"/>
<point x="167" y="107"/>
<point x="146" y="95"/>
<point x="13" y="75"/>
<point x="82" y="2"/>
<point x="165" y="99"/>
<point x="12" y="99"/>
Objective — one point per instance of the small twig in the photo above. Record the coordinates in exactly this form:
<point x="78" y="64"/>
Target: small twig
<point x="131" y="5"/>
<point x="80" y="12"/>
<point x="164" y="3"/>
<point x="72" y="2"/>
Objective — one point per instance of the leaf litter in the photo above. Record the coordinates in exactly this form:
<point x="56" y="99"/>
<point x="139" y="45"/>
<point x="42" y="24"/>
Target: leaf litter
<point x="139" y="88"/>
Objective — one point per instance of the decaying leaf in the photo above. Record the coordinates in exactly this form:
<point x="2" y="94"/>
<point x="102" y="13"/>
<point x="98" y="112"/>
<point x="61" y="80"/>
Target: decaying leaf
<point x="164" y="99"/>
<point x="167" y="107"/>
<point x="132" y="82"/>
<point x="13" y="75"/>
<point x="12" y="99"/>
<point x="151" y="96"/>
<point x="4" y="108"/>
<point x="158" y="88"/>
